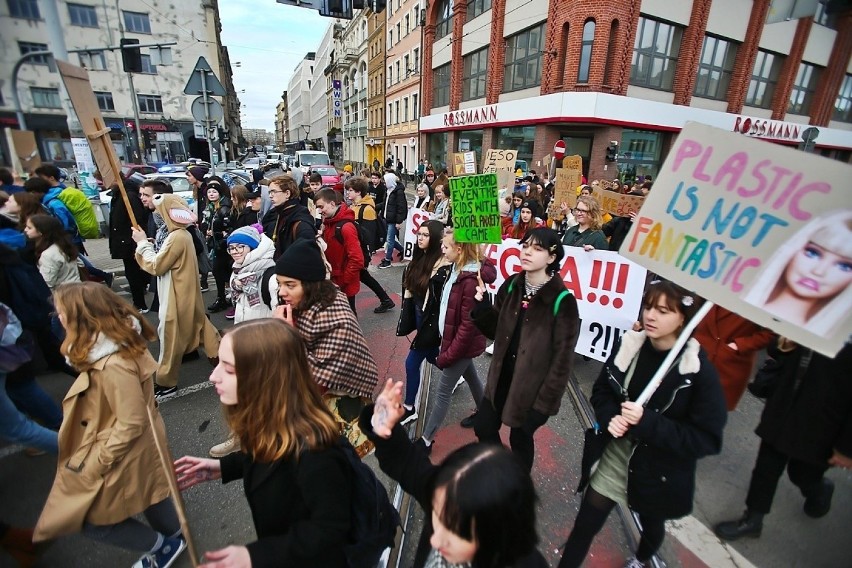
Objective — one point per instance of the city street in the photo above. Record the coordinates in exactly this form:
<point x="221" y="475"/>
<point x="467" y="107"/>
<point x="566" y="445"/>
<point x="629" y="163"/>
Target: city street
<point x="219" y="515"/>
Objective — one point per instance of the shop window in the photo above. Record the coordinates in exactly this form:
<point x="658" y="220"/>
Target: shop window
<point x="523" y="59"/>
<point x="804" y="88"/>
<point x="715" y="68"/>
<point x="444" y="25"/>
<point x="521" y="138"/>
<point x="655" y="54"/>
<point x="93" y="60"/>
<point x="82" y="15"/>
<point x="640" y="154"/>
<point x="150" y="103"/>
<point x="475" y="75"/>
<point x="843" y="104"/>
<point x="45" y="97"/>
<point x="586" y="51"/>
<point x="28" y="47"/>
<point x="150" y="69"/>
<point x="441" y="86"/>
<point x="26" y="9"/>
<point x="105" y="101"/>
<point x="438" y="150"/>
<point x="477" y="8"/>
<point x="136" y="22"/>
<point x="764" y="78"/>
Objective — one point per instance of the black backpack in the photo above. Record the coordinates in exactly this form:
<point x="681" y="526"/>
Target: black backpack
<point x="363" y="238"/>
<point x="373" y="519"/>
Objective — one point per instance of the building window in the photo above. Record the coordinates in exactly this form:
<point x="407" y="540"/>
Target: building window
<point x="405" y="109"/>
<point x="398" y="73"/>
<point x="444" y="26"/>
<point x="640" y="154"/>
<point x="27" y="9"/>
<point x="45" y="98"/>
<point x="150" y="103"/>
<point x="137" y="22"/>
<point x="396" y="111"/>
<point x="655" y="54"/>
<point x="152" y="69"/>
<point x="390" y="39"/>
<point x="105" y="101"/>
<point x="407" y="24"/>
<point x="715" y="68"/>
<point x="822" y="17"/>
<point x="93" y="60"/>
<point x="523" y="59"/>
<point x="843" y="104"/>
<point x="804" y="88"/>
<point x="415" y="110"/>
<point x="475" y="75"/>
<point x="477" y="8"/>
<point x="29" y="47"/>
<point x="390" y="75"/>
<point x="408" y="70"/>
<point x="417" y="59"/>
<point x="441" y="86"/>
<point x="82" y="15"/>
<point x="586" y="51"/>
<point x="764" y="78"/>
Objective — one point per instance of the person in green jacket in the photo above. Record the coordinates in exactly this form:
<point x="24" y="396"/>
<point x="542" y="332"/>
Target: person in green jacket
<point x="587" y="233"/>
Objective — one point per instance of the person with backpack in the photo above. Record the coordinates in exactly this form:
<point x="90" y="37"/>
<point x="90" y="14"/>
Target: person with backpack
<point x="396" y="211"/>
<point x="298" y="481"/>
<point x="374" y="228"/>
<point x="288" y="220"/>
<point x="343" y="251"/>
<point x="74" y="200"/>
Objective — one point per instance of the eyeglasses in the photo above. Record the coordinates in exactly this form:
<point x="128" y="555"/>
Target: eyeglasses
<point x="577" y="211"/>
<point x="237" y="248"/>
<point x="274" y="191"/>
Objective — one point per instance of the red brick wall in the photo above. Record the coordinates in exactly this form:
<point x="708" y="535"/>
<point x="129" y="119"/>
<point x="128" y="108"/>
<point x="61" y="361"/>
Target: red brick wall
<point x="603" y="136"/>
<point x="691" y="43"/>
<point x="496" y="53"/>
<point x="457" y="65"/>
<point x="781" y="99"/>
<point x="832" y="77"/>
<point x="746" y="56"/>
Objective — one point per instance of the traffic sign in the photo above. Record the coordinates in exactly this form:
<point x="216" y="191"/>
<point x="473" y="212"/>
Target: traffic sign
<point x="195" y="85"/>
<point x="559" y="150"/>
<point x="213" y="114"/>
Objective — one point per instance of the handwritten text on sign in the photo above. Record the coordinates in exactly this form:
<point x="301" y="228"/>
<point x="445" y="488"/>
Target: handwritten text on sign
<point x="476" y="213"/>
<point x="735" y="218"/>
<point x="416" y="218"/>
<point x="608" y="289"/>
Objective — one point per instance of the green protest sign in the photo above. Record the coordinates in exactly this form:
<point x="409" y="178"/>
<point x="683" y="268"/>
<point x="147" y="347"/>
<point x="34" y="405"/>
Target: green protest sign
<point x="476" y="213"/>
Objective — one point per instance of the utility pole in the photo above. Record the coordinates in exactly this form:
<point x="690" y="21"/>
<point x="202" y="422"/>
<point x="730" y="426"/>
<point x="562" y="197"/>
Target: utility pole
<point x="139" y="139"/>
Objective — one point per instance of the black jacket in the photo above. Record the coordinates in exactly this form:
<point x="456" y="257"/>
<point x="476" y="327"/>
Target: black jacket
<point x="409" y="465"/>
<point x="617" y="230"/>
<point x="682" y="422"/>
<point x="300" y="509"/>
<point x="396" y="207"/>
<point x="288" y="222"/>
<point x="121" y="244"/>
<point x="379" y="193"/>
<point x="808" y="419"/>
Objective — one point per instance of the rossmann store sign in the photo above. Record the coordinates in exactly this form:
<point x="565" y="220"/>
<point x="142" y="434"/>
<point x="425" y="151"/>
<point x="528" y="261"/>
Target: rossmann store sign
<point x="484" y="115"/>
<point x="761" y="128"/>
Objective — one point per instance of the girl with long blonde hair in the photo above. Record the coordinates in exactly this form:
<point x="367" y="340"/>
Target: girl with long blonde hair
<point x="298" y="483"/>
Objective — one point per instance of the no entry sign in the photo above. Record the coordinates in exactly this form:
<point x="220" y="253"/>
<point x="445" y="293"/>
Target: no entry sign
<point x="559" y="150"/>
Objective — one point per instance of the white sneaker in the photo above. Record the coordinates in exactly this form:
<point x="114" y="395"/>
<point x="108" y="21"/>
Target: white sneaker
<point x="229" y="446"/>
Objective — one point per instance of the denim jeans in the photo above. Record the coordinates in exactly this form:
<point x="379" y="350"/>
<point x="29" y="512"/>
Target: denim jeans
<point x="17" y="428"/>
<point x="415" y="360"/>
<point x="449" y="376"/>
<point x="392" y="242"/>
<point x="30" y="399"/>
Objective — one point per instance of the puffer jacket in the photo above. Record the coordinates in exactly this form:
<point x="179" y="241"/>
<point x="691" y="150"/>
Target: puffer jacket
<point x="460" y="338"/>
<point x="346" y="258"/>
<point x="247" y="281"/>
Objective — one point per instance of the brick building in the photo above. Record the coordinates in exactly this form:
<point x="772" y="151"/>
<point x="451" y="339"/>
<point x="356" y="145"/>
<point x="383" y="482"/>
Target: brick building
<point x="523" y="74"/>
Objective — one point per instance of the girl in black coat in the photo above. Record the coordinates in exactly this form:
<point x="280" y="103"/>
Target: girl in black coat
<point x="646" y="456"/>
<point x="215" y="223"/>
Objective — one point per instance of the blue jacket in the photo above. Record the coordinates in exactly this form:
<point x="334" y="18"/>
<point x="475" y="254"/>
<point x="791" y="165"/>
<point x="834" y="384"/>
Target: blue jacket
<point x="58" y="209"/>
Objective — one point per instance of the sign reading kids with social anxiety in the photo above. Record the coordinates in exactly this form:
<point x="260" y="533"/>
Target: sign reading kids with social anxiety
<point x="762" y="230"/>
<point x="476" y="211"/>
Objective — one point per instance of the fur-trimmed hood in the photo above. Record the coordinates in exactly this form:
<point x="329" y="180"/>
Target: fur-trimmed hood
<point x="631" y="343"/>
<point x="104" y="346"/>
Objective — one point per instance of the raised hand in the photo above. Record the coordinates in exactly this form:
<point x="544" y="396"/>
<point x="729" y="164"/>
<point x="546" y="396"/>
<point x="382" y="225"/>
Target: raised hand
<point x="191" y="471"/>
<point x="388" y="409"/>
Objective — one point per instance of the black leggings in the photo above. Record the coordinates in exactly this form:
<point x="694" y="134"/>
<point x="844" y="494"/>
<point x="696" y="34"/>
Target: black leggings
<point x="594" y="510"/>
<point x="222" y="267"/>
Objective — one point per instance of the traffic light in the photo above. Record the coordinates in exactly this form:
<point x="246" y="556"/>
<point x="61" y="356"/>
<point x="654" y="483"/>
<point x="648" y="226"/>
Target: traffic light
<point x="221" y="134"/>
<point x="224" y="135"/>
<point x="131" y="57"/>
<point x="612" y="151"/>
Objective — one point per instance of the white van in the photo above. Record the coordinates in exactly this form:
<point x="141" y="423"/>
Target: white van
<point x="307" y="158"/>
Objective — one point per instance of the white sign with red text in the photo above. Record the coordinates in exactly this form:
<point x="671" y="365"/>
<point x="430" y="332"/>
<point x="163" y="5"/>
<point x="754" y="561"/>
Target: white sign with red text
<point x="607" y="286"/>
<point x="416" y="217"/>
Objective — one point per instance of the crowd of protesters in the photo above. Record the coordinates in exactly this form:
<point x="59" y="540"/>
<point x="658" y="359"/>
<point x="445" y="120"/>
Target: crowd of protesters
<point x="300" y="386"/>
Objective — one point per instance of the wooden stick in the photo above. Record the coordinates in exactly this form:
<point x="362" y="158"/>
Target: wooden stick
<point x="167" y="462"/>
<point x="102" y="137"/>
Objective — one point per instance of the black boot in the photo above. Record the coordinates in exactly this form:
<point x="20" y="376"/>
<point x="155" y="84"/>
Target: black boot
<point x="818" y="503"/>
<point x="749" y="525"/>
<point x="217" y="306"/>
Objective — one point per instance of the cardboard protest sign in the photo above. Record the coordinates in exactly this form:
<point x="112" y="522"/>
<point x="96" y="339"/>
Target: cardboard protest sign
<point x="608" y="289"/>
<point x="416" y="217"/>
<point x="762" y="230"/>
<point x="476" y="211"/>
<point x="617" y="204"/>
<point x="23" y="149"/>
<point x="567" y="179"/>
<point x="464" y="163"/>
<point x="496" y="160"/>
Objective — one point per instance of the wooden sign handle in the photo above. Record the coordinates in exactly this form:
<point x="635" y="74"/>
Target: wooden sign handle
<point x="101" y="136"/>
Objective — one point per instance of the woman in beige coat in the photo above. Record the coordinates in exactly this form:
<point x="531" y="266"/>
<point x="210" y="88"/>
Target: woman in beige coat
<point x="108" y="468"/>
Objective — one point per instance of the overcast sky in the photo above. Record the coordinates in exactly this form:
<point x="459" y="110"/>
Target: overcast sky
<point x="269" y="40"/>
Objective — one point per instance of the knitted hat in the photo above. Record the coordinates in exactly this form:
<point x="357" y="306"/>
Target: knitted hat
<point x="532" y="206"/>
<point x="303" y="261"/>
<point x="245" y="236"/>
<point x="347" y="168"/>
<point x="198" y="172"/>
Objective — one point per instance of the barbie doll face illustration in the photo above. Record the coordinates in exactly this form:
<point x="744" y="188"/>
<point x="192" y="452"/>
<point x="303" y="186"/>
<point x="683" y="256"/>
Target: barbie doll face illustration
<point x="817" y="273"/>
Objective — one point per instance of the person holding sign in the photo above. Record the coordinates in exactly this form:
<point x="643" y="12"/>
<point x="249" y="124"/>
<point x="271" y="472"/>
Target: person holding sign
<point x="587" y="233"/>
<point x="647" y="460"/>
<point x="109" y="469"/>
<point x="535" y="325"/>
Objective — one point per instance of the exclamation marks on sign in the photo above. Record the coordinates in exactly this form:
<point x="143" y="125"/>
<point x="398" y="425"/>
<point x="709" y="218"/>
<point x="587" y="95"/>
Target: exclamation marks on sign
<point x="614" y="282"/>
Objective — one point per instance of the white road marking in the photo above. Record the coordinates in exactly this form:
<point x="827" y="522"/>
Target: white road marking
<point x="701" y="541"/>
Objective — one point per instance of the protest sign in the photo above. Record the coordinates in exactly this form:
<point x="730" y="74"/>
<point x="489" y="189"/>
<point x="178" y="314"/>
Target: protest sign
<point x="567" y="179"/>
<point x="617" y="204"/>
<point x="476" y="212"/>
<point x="608" y="289"/>
<point x="496" y="160"/>
<point x="464" y="163"/>
<point x="416" y="217"/>
<point x="760" y="229"/>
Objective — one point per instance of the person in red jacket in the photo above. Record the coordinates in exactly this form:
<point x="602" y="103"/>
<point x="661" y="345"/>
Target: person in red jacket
<point x="344" y="247"/>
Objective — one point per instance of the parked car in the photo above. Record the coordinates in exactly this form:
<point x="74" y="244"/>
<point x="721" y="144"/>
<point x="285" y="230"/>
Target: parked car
<point x="251" y="164"/>
<point x="330" y="175"/>
<point x="273" y="160"/>
<point x="180" y="185"/>
<point x="236" y="177"/>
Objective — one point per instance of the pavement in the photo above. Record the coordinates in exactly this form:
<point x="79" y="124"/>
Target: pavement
<point x="219" y="515"/>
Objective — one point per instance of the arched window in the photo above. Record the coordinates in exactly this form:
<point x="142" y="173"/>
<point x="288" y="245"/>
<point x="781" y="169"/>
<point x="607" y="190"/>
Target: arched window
<point x="444" y="25"/>
<point x="586" y="51"/>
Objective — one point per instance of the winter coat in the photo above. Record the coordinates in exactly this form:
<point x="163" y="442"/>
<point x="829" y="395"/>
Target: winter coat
<point x="545" y="354"/>
<point x="337" y="351"/>
<point x="379" y="193"/>
<point x="346" y="258"/>
<point x="720" y="327"/>
<point x="218" y="221"/>
<point x="409" y="465"/>
<point x="244" y="218"/>
<point x="808" y="419"/>
<point x="246" y="282"/>
<point x="56" y="268"/>
<point x="428" y="336"/>
<point x="59" y="210"/>
<point x="121" y="244"/>
<point x="422" y="203"/>
<point x="682" y="422"/>
<point x="617" y="230"/>
<point x="460" y="338"/>
<point x="286" y="223"/>
<point x="396" y="206"/>
<point x="574" y="238"/>
<point x="300" y="509"/>
<point x="108" y="468"/>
